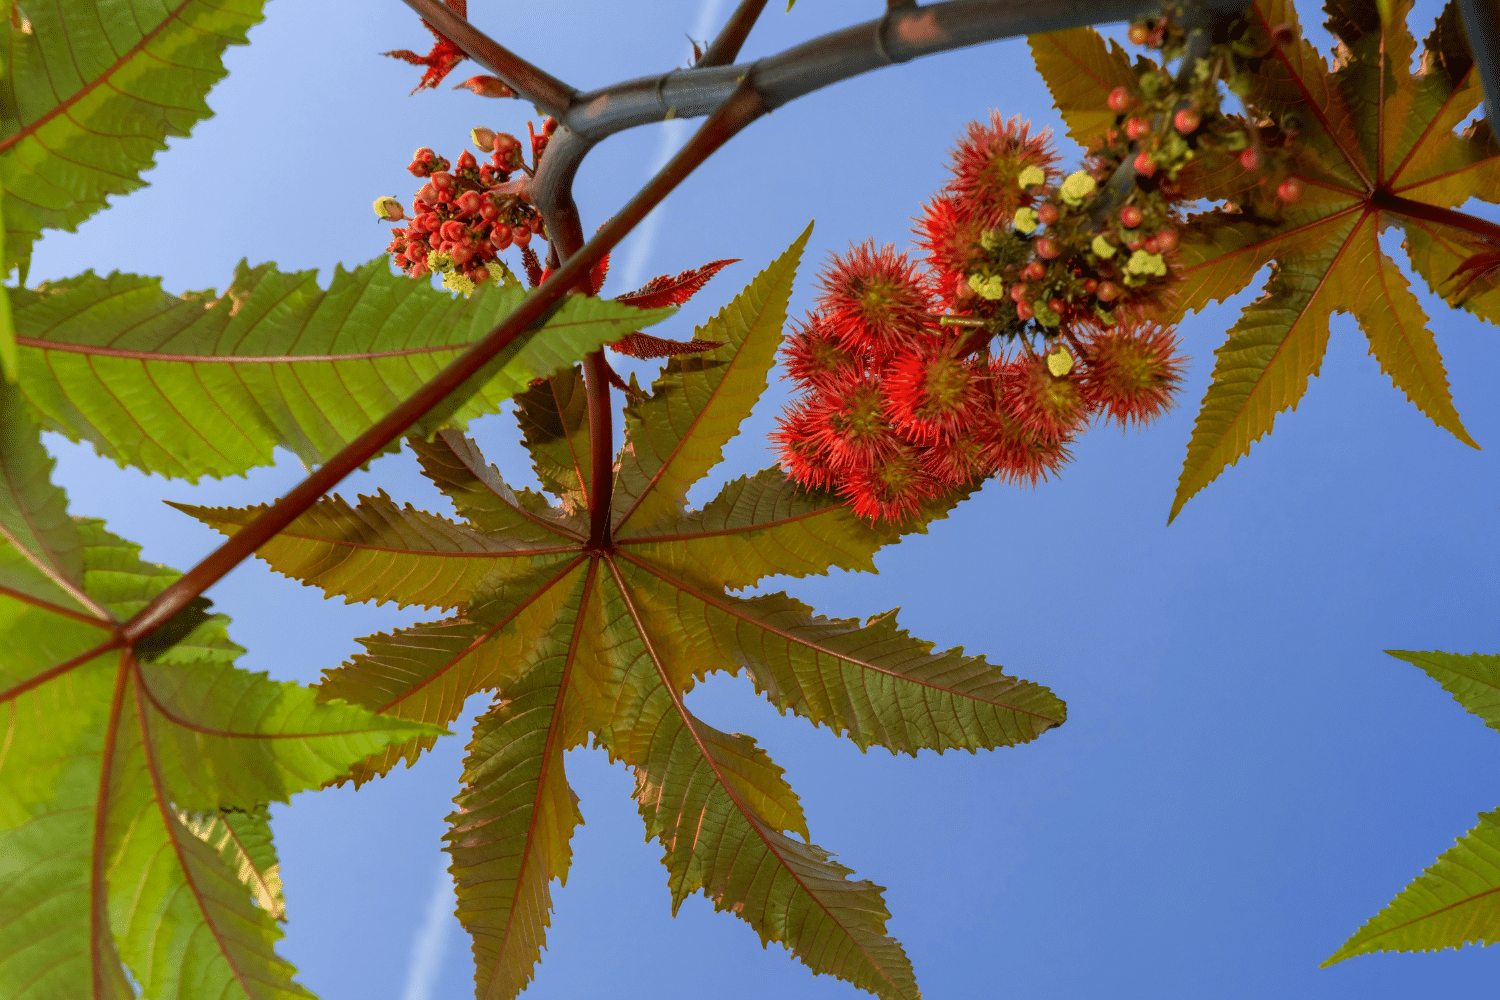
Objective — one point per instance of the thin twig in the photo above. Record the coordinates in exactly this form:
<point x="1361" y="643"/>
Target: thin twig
<point x="533" y="83"/>
<point x="726" y="47"/>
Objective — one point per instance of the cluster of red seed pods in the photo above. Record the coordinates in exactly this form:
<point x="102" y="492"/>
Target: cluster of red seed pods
<point x="987" y="357"/>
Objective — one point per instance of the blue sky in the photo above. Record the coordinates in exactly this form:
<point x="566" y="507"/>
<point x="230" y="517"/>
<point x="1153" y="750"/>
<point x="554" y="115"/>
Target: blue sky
<point x="1244" y="777"/>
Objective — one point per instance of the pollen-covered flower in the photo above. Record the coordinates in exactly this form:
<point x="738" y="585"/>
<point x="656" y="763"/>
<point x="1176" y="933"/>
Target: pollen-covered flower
<point x="989" y="163"/>
<point x="1134" y="371"/>
<point x="874" y="300"/>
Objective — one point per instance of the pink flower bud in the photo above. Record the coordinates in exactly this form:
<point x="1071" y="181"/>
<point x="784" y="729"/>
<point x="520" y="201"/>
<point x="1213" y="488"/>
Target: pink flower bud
<point x="484" y="139"/>
<point x="486" y="86"/>
<point x="453" y="230"/>
<point x="501" y="236"/>
<point x="469" y="202"/>
<point x="521" y="235"/>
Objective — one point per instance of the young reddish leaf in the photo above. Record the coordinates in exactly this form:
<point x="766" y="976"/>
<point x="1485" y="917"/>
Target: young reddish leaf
<point x="643" y="345"/>
<point x="1375" y="148"/>
<point x="441" y="58"/>
<point x="486" y="86"/>
<point x="669" y="291"/>
<point x="583" y="640"/>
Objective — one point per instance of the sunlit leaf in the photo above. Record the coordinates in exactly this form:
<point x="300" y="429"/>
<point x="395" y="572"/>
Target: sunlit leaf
<point x="92" y="93"/>
<point x="133" y="781"/>
<point x="1456" y="901"/>
<point x="600" y="641"/>
<point x="209" y="385"/>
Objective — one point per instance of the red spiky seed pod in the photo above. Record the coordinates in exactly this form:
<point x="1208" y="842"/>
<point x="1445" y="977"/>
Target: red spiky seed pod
<point x="951" y="244"/>
<point x="932" y="394"/>
<point x="1108" y="291"/>
<point x="1139" y="34"/>
<point x="799" y="448"/>
<point x="1144" y="164"/>
<point x="891" y="488"/>
<point x="874" y="300"/>
<point x="1250" y="158"/>
<point x="1035" y="271"/>
<point x="987" y="167"/>
<point x="1137" y="127"/>
<point x="453" y="230"/>
<point x="520" y="235"/>
<point x="1290" y="190"/>
<point x="815" y="357"/>
<point x="466" y="161"/>
<point x="1044" y="404"/>
<point x="1130" y="216"/>
<point x="1024" y="311"/>
<point x="501" y="236"/>
<point x="469" y="202"/>
<point x="1014" y="454"/>
<point x="852" y="424"/>
<point x="1134" y="372"/>
<point x="1047" y="248"/>
<point x="960" y="460"/>
<point x="1119" y="100"/>
<point x="1166" y="239"/>
<point x="1046" y="213"/>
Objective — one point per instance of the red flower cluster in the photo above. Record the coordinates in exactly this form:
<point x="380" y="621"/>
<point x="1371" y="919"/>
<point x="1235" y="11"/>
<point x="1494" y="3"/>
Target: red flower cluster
<point x="988" y="360"/>
<point x="463" y="218"/>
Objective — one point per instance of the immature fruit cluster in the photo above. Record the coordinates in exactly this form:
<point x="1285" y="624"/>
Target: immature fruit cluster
<point x="463" y="218"/>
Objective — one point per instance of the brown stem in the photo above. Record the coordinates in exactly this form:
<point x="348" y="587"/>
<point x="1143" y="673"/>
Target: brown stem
<point x="601" y="450"/>
<point x="1389" y="202"/>
<point x="531" y="82"/>
<point x="740" y="110"/>
<point x="727" y="45"/>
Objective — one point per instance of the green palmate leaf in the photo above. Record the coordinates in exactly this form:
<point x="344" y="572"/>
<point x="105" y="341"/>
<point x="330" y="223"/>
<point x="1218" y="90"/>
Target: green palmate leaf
<point x="586" y="640"/>
<point x="553" y="415"/>
<point x="1453" y="903"/>
<point x="243" y="839"/>
<point x="699" y="401"/>
<point x="204" y="385"/>
<point x="1456" y="901"/>
<point x="1081" y="69"/>
<point x="90" y="94"/>
<point x="7" y="326"/>
<point x="1369" y="133"/>
<point x="116" y="849"/>
<point x="1280" y="340"/>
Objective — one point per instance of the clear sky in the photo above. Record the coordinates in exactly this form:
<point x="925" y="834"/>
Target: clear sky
<point x="1244" y="777"/>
